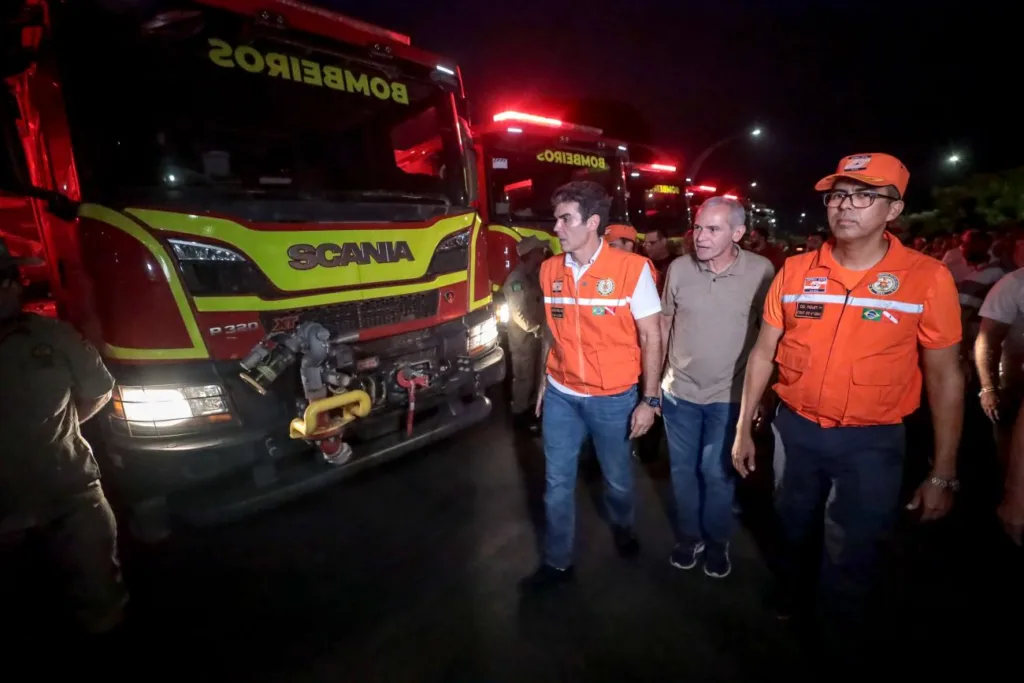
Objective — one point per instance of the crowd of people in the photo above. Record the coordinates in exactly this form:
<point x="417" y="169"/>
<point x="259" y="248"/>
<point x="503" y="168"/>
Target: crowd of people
<point x="834" y="347"/>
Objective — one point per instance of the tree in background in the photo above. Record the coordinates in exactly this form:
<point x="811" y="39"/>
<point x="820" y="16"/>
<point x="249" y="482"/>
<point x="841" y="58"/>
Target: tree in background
<point x="986" y="199"/>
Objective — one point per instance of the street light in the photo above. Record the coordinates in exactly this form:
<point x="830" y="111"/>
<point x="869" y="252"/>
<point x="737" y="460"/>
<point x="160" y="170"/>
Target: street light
<point x="803" y="215"/>
<point x="953" y="159"/>
<point x="703" y="156"/>
<point x="753" y="184"/>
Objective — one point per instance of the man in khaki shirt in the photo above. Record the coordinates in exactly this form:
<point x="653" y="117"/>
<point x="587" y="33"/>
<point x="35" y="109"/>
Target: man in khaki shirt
<point x="711" y="310"/>
<point x="52" y="380"/>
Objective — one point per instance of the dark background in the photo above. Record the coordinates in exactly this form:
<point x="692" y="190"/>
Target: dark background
<point x="917" y="79"/>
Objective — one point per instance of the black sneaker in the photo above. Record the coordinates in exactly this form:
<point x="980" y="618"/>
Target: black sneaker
<point x="685" y="555"/>
<point x="625" y="541"/>
<point x="716" y="561"/>
<point x="546" y="577"/>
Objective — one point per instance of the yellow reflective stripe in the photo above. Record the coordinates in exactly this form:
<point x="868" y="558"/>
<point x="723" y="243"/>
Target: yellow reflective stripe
<point x="471" y="294"/>
<point x="212" y="304"/>
<point x="480" y="304"/>
<point x="122" y="353"/>
<point x="268" y="249"/>
<point x="121" y="222"/>
<point x="518" y="233"/>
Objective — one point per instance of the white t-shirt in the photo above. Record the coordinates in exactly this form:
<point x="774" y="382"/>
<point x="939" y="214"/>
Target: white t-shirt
<point x="645" y="300"/>
<point x="1005" y="304"/>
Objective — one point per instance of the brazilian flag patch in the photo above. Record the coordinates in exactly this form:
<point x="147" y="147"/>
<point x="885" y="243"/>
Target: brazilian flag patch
<point x="871" y="314"/>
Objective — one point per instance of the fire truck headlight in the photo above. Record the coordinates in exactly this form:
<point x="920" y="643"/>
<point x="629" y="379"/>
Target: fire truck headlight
<point x="158" y="410"/>
<point x="482" y="337"/>
<point x="502" y="314"/>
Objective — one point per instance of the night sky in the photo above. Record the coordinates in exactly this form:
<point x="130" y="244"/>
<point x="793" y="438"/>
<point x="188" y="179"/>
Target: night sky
<point x="918" y="79"/>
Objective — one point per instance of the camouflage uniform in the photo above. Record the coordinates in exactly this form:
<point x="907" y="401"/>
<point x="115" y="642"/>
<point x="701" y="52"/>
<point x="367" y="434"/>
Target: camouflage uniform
<point x="526" y="315"/>
<point x="49" y="480"/>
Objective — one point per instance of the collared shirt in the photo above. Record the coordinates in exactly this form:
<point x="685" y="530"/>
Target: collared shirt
<point x="643" y="302"/>
<point x="849" y="352"/>
<point x="715" y="319"/>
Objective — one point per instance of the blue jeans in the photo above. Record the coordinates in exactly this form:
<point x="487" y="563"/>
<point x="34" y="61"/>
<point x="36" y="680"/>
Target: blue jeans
<point x="568" y="420"/>
<point x="700" y="450"/>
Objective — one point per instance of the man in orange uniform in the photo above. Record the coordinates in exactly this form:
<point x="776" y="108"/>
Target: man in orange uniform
<point x="602" y="332"/>
<point x="847" y="326"/>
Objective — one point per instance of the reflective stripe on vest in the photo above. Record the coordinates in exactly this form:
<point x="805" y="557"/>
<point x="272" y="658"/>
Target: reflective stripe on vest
<point x="596" y="350"/>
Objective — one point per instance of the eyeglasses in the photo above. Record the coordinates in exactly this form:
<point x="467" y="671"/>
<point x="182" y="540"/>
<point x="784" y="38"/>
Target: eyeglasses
<point x="861" y="199"/>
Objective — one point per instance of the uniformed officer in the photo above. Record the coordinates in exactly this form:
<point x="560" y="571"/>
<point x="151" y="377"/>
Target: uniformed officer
<point x="51" y="381"/>
<point x="526" y="314"/>
<point x="851" y="326"/>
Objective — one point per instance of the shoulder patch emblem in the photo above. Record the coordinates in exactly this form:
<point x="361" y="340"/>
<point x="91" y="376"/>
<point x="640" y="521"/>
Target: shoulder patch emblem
<point x="605" y="286"/>
<point x="884" y="284"/>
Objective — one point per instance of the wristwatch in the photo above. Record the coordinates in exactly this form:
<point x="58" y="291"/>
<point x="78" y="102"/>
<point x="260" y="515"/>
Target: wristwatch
<point x="652" y="401"/>
<point x="951" y="484"/>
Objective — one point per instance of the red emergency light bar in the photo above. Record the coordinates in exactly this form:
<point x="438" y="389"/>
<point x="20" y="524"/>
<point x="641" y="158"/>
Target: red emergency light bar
<point x="521" y="117"/>
<point x="730" y="196"/>
<point x="521" y="185"/>
<point x="707" y="188"/>
<point x="655" y="168"/>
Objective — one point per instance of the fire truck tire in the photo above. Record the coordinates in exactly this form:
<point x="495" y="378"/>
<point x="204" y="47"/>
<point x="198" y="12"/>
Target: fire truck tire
<point x="149" y="522"/>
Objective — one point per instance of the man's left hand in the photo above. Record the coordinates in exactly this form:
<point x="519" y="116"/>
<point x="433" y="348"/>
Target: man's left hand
<point x="643" y="418"/>
<point x="933" y="501"/>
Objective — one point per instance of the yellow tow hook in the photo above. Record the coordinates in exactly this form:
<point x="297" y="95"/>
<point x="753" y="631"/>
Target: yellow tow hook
<point x="317" y="423"/>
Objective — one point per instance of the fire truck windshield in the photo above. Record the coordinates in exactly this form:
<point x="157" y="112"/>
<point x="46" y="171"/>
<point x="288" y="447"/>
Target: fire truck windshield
<point x="657" y="201"/>
<point x="222" y="108"/>
<point x="523" y="173"/>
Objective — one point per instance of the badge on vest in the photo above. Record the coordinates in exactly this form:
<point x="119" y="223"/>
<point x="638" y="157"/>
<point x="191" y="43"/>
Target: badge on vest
<point x="815" y="285"/>
<point x="602" y="310"/>
<point x="556" y="287"/>
<point x="886" y="283"/>
<point x="557" y="312"/>
<point x="812" y="311"/>
<point x="605" y="286"/>
<point x="871" y="314"/>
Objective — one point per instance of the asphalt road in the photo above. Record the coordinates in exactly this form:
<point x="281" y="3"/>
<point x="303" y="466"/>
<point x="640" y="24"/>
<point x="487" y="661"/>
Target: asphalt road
<point x="408" y="573"/>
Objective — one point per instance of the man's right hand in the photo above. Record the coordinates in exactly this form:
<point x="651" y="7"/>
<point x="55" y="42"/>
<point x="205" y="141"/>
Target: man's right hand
<point x="540" y="399"/>
<point x="990" y="404"/>
<point x="743" y="451"/>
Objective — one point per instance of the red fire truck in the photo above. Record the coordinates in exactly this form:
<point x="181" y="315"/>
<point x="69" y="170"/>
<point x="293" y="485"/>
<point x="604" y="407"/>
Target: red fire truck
<point x="524" y="158"/>
<point x="657" y="192"/>
<point x="235" y="206"/>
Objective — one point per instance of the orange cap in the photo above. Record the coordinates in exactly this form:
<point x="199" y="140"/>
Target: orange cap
<point x="872" y="169"/>
<point x="618" y="231"/>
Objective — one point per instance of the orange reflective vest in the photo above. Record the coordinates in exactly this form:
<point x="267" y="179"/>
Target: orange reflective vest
<point x="850" y="357"/>
<point x="596" y="350"/>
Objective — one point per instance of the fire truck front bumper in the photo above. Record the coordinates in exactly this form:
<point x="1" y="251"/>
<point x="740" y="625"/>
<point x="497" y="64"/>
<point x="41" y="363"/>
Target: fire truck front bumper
<point x="234" y="473"/>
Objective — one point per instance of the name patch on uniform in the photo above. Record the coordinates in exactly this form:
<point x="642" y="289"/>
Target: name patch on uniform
<point x="812" y="311"/>
<point x="557" y="312"/>
<point x="556" y="286"/>
<point x="815" y="285"/>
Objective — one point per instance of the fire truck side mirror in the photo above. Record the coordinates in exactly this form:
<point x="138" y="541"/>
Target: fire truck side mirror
<point x="15" y="179"/>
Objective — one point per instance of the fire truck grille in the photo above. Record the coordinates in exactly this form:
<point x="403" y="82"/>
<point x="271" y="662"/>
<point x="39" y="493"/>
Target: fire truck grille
<point x="357" y="315"/>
